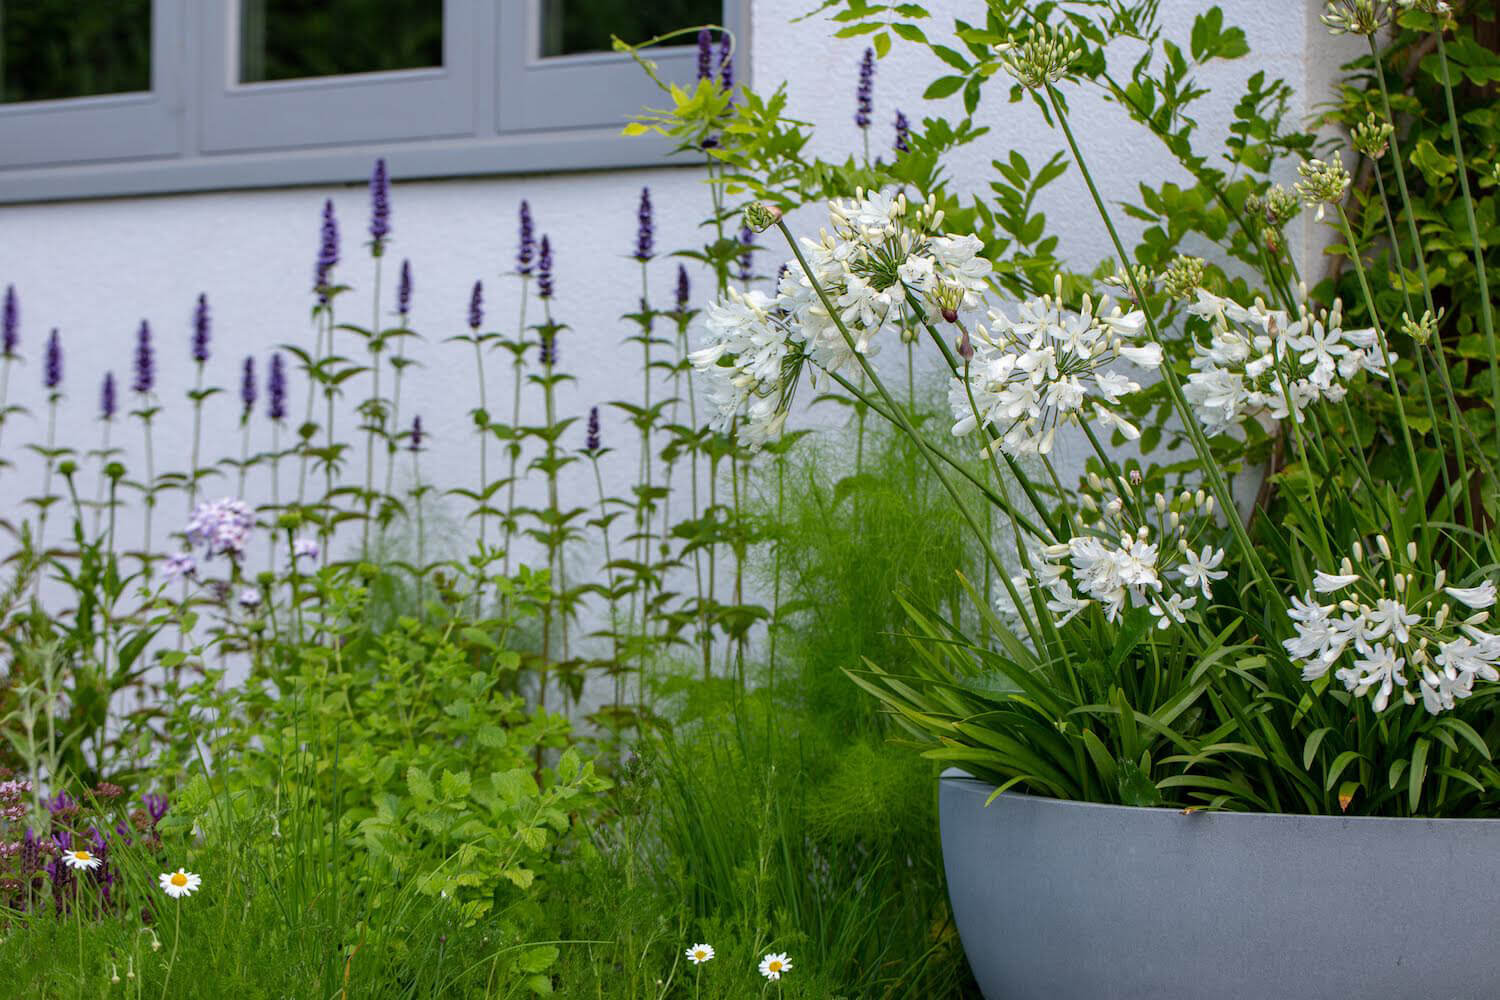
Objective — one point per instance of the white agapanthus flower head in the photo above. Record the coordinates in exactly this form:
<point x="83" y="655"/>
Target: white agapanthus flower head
<point x="877" y="255"/>
<point x="1048" y="367"/>
<point x="1382" y="628"/>
<point x="1267" y="365"/>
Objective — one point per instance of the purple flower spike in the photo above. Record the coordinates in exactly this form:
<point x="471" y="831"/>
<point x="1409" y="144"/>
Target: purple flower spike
<point x="705" y="54"/>
<point x="548" y="351"/>
<point x="591" y="438"/>
<point x="61" y="803"/>
<point x="903" y="133"/>
<point x="145" y="360"/>
<point x="747" y="240"/>
<point x="52" y="371"/>
<point x="328" y="251"/>
<point x="10" y="324"/>
<point x="200" y="330"/>
<point x="416" y="433"/>
<point x="527" y="248"/>
<point x="476" y="306"/>
<point x="156" y="806"/>
<point x="645" y="234"/>
<point x="247" y="388"/>
<point x="726" y="63"/>
<point x="684" y="289"/>
<point x="276" y="389"/>
<point x="403" y="289"/>
<point x="545" y="287"/>
<point x="107" y="397"/>
<point x="380" y="206"/>
<point x="864" y="96"/>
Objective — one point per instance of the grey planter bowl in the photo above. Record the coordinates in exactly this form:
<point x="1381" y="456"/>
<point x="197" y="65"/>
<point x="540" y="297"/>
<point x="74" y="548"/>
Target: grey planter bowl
<point x="1059" y="900"/>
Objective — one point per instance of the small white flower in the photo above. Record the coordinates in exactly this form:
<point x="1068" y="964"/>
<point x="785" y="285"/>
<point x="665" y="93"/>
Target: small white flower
<point x="1482" y="596"/>
<point x="179" y="883"/>
<point x="1200" y="569"/>
<point x="305" y="548"/>
<point x="81" y="860"/>
<point x="700" y="953"/>
<point x="1173" y="610"/>
<point x="180" y="565"/>
<point x="773" y="965"/>
<point x="249" y="598"/>
<point x="1327" y="583"/>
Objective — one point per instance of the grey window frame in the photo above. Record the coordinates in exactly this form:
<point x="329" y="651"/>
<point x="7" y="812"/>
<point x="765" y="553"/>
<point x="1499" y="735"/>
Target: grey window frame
<point x="495" y="107"/>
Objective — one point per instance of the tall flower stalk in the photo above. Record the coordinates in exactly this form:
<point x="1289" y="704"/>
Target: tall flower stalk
<point x="146" y="409"/>
<point x="526" y="253"/>
<point x="276" y="413"/>
<point x="248" y="389"/>
<point x="199" y="351"/>
<point x="10" y="339"/>
<point x="375" y="410"/>
<point x="399" y="363"/>
<point x="52" y="376"/>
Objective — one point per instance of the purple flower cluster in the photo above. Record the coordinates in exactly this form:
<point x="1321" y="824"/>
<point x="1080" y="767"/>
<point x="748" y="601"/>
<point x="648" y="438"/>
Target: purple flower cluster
<point x="276" y="389"/>
<point x="145" y="360"/>
<point x="705" y="54"/>
<point x="200" y="330"/>
<point x="305" y="548"/>
<point x="13" y="795"/>
<point x="380" y="207"/>
<point x="52" y="369"/>
<point x="526" y="251"/>
<point x="223" y="526"/>
<point x="903" y="133"/>
<point x="247" y="388"/>
<point x="645" y="233"/>
<point x="416" y="433"/>
<point x="747" y="255"/>
<point x="403" y="290"/>
<point x="180" y="564"/>
<point x="591" y="435"/>
<point x="328" y="252"/>
<point x="864" y="95"/>
<point x="545" y="287"/>
<point x="107" y="402"/>
<point x="476" y="306"/>
<point x="10" y="323"/>
<point x="547" y="354"/>
<point x="684" y="289"/>
<point x="726" y="63"/>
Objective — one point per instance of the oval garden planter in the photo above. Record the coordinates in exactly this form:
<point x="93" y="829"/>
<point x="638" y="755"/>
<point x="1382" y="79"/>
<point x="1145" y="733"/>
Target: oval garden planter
<point x="1062" y="900"/>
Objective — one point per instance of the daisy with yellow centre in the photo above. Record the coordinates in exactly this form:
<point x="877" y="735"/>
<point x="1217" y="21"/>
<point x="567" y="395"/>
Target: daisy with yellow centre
<point x="700" y="953"/>
<point x="81" y="860"/>
<point x="179" y="883"/>
<point x="773" y="965"/>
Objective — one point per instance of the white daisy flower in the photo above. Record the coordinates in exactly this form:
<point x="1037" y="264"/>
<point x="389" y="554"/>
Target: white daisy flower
<point x="700" y="953"/>
<point x="773" y="965"/>
<point x="81" y="860"/>
<point x="179" y="883"/>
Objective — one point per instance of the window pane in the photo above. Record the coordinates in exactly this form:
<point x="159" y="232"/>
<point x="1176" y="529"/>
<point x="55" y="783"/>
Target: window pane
<point x="52" y="49"/>
<point x="297" y="39"/>
<point x="570" y="26"/>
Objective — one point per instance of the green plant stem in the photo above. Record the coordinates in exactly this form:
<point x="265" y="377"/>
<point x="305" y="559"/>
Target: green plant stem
<point x="176" y="941"/>
<point x="375" y="413"/>
<point x="517" y="366"/>
<point x="197" y="437"/>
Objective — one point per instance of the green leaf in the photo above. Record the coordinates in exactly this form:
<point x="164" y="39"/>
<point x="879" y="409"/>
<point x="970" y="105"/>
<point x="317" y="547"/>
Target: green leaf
<point x="943" y="86"/>
<point x="1418" y="773"/>
<point x="1136" y="788"/>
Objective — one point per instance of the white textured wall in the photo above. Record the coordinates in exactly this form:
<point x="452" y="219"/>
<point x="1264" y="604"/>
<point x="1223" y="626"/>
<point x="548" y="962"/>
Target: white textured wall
<point x="95" y="268"/>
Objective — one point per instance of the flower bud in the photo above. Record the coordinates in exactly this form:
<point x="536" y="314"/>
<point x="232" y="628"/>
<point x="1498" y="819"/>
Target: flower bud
<point x="759" y="216"/>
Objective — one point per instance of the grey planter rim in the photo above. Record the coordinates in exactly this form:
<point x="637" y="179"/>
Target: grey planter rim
<point x="959" y="775"/>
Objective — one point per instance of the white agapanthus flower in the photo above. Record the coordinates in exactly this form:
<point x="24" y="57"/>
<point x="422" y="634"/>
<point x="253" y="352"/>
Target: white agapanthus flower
<point x="1384" y="630"/>
<point x="876" y="252"/>
<point x="1267" y="365"/>
<point x="1049" y="367"/>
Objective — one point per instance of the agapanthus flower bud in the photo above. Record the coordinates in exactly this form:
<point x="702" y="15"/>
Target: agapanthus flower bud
<point x="903" y="133"/>
<point x="1322" y="183"/>
<point x="328" y="251"/>
<point x="380" y="207"/>
<point x="545" y="286"/>
<point x="747" y="256"/>
<point x="684" y="289"/>
<point x="1355" y="17"/>
<point x="145" y="360"/>
<point x="726" y="62"/>
<point x="10" y="323"/>
<point x="416" y="433"/>
<point x="527" y="247"/>
<point x="476" y="306"/>
<point x="645" y="233"/>
<point x="276" y="389"/>
<point x="52" y="369"/>
<point x="1424" y="329"/>
<point x="107" y="403"/>
<point x="1042" y="58"/>
<point x="1183" y="276"/>
<point x="759" y="216"/>
<point x="705" y="54"/>
<point x="591" y="435"/>
<point x="247" y="388"/>
<point x="403" y="289"/>
<point x="864" y="94"/>
<point x="200" y="330"/>
<point x="1372" y="137"/>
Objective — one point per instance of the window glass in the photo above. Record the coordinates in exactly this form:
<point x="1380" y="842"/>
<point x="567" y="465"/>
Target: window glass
<point x="298" y="39"/>
<point x="52" y="49"/>
<point x="570" y="26"/>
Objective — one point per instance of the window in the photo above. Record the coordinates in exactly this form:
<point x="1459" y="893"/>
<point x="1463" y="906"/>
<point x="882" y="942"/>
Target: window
<point x="112" y="97"/>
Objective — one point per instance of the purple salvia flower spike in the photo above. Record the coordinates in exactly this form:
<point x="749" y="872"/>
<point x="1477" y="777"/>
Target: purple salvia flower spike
<point x="545" y="286"/>
<point x="476" y="306"/>
<point x="156" y="806"/>
<point x="684" y="289"/>
<point x="746" y="259"/>
<point x="200" y="330"/>
<point x="380" y="206"/>
<point x="416" y="433"/>
<point x="526" y="251"/>
<point x="403" y="289"/>
<point x="645" y="233"/>
<point x="52" y="370"/>
<point x="328" y="251"/>
<point x="705" y="54"/>
<point x="10" y="324"/>
<point x="591" y="438"/>
<point x="107" y="403"/>
<point x="548" y="352"/>
<point x="145" y="360"/>
<point x="903" y="133"/>
<point x="247" y="388"/>
<point x="726" y="63"/>
<point x="864" y="95"/>
<point x="276" y="389"/>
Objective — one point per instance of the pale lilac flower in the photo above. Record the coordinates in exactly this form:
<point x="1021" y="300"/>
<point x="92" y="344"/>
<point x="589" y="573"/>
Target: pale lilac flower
<point x="249" y="598"/>
<point x="223" y="526"/>
<point x="305" y="548"/>
<point x="182" y="564"/>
